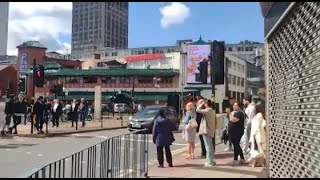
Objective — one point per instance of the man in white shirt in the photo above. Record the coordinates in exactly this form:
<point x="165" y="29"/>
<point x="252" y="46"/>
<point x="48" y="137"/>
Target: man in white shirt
<point x="250" y="113"/>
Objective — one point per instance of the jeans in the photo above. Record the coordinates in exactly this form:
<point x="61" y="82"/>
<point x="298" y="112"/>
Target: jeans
<point x="209" y="149"/>
<point x="160" y="155"/>
<point x="203" y="147"/>
<point x="245" y="138"/>
<point x="235" y="138"/>
<point x="83" y="119"/>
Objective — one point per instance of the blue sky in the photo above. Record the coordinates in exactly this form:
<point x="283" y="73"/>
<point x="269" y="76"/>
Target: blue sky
<point x="228" y="21"/>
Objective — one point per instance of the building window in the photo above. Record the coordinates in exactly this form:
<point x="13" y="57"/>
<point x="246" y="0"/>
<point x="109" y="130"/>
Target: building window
<point x="234" y="65"/>
<point x="108" y="80"/>
<point x="229" y="48"/>
<point x="238" y="81"/>
<point x="72" y="79"/>
<point x="240" y="48"/>
<point x="229" y="78"/>
<point x="166" y="80"/>
<point x="90" y="79"/>
<point x="126" y="79"/>
<point x="229" y="64"/>
<point x="247" y="48"/>
<point x="234" y="80"/>
<point x="242" y="82"/>
<point x="145" y="80"/>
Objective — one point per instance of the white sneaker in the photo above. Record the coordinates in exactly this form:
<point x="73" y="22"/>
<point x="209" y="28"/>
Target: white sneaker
<point x="209" y="165"/>
<point x="228" y="149"/>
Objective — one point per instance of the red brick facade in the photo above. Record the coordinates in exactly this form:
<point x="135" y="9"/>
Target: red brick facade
<point x="8" y="76"/>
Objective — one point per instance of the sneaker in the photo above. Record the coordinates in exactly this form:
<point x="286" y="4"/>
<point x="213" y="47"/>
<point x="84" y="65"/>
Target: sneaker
<point x="170" y="165"/>
<point x="228" y="149"/>
<point x="209" y="165"/>
<point x="242" y="161"/>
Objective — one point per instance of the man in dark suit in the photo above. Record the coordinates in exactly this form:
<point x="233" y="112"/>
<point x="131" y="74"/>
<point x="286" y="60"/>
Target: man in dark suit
<point x="38" y="111"/>
<point x="74" y="113"/>
<point x="56" y="112"/>
<point x="83" y="111"/>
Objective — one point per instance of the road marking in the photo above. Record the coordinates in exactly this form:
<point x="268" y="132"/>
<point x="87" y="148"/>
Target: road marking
<point x="28" y="153"/>
<point x="8" y="149"/>
<point x="40" y="155"/>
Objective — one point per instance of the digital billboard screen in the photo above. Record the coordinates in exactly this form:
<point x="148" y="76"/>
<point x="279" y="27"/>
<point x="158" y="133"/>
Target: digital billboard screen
<point x="198" y="64"/>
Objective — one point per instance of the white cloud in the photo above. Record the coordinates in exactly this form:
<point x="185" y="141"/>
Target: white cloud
<point x="176" y="13"/>
<point x="39" y="21"/>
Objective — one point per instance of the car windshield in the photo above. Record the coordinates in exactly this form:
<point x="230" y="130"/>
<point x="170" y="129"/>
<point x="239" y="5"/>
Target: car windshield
<point x="148" y="111"/>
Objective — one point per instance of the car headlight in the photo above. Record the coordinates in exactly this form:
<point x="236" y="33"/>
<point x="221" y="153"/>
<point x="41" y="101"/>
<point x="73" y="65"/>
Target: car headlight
<point x="130" y="118"/>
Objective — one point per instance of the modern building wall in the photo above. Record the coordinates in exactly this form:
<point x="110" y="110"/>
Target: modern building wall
<point x="4" y="18"/>
<point x="96" y="25"/>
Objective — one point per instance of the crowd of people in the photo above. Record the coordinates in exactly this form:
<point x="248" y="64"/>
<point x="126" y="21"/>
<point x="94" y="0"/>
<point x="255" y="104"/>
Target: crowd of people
<point x="17" y="108"/>
<point x="244" y="129"/>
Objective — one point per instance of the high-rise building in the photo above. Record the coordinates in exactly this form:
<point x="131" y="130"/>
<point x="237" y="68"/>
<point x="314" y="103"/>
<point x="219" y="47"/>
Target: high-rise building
<point x="97" y="25"/>
<point x="4" y="16"/>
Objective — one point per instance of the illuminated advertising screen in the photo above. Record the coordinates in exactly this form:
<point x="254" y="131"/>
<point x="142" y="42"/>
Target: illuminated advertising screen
<point x="198" y="65"/>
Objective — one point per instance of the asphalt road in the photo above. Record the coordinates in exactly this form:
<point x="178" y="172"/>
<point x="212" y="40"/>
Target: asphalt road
<point x="20" y="157"/>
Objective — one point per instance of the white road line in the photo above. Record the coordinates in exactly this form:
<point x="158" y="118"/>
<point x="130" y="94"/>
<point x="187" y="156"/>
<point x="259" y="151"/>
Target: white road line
<point x="40" y="155"/>
<point x="28" y="153"/>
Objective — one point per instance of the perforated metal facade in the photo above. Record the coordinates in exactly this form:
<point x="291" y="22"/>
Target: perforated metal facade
<point x="293" y="65"/>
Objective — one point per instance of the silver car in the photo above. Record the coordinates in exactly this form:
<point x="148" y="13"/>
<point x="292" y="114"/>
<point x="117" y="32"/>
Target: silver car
<point x="121" y="107"/>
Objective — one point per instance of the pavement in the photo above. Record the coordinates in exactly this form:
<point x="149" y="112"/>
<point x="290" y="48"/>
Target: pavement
<point x="185" y="168"/>
<point x="22" y="156"/>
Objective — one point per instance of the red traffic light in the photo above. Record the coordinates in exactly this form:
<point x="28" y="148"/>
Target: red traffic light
<point x="38" y="74"/>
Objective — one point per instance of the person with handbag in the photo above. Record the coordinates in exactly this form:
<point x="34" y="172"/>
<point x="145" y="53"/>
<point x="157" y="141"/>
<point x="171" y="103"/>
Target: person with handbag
<point x="163" y="137"/>
<point x="207" y="129"/>
<point x="190" y="130"/>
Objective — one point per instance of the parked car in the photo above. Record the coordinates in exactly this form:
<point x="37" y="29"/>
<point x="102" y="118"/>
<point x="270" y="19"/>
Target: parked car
<point x="121" y="107"/>
<point x="144" y="118"/>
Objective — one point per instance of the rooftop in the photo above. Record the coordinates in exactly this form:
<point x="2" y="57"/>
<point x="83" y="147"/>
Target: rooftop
<point x="32" y="44"/>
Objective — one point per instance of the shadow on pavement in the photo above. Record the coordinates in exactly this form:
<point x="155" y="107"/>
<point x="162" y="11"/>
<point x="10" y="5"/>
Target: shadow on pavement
<point x="228" y="170"/>
<point x="14" y="146"/>
<point x="187" y="165"/>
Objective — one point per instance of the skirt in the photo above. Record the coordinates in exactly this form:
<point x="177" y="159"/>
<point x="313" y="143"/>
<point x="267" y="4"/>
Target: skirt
<point x="190" y="134"/>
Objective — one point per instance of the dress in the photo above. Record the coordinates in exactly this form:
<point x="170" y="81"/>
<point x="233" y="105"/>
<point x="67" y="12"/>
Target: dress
<point x="189" y="134"/>
<point x="258" y="135"/>
<point x="2" y="114"/>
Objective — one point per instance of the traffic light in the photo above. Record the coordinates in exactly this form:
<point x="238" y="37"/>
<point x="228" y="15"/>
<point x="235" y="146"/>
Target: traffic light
<point x="39" y="75"/>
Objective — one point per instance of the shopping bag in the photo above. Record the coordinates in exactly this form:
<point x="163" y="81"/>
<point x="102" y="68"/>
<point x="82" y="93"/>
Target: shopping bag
<point x="11" y="125"/>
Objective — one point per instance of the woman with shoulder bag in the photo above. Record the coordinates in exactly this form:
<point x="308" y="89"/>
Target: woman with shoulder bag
<point x="190" y="129"/>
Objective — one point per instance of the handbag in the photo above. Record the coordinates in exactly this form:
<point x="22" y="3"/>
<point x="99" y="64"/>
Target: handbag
<point x="192" y="124"/>
<point x="11" y="125"/>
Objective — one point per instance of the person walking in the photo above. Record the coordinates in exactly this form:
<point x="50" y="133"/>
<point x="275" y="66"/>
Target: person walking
<point x="56" y="112"/>
<point x="9" y="110"/>
<point x="227" y="123"/>
<point x="236" y="131"/>
<point x="38" y="111"/>
<point x="26" y="104"/>
<point x="258" y="137"/>
<point x="249" y="107"/>
<point x="83" y="111"/>
<point x="207" y="129"/>
<point x="19" y="110"/>
<point x="163" y="137"/>
<point x="2" y="116"/>
<point x="190" y="130"/>
<point x="74" y="113"/>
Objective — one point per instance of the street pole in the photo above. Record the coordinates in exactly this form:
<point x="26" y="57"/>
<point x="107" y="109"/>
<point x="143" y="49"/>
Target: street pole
<point x="213" y="81"/>
<point x="34" y="91"/>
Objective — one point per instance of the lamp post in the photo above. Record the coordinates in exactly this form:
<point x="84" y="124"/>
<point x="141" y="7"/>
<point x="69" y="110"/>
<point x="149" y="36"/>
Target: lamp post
<point x="213" y="85"/>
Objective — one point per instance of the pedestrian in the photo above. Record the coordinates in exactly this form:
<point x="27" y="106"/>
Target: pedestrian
<point x="2" y="116"/>
<point x="190" y="130"/>
<point x="258" y="137"/>
<point x="38" y="111"/>
<point x="26" y="104"/>
<point x="9" y="110"/>
<point x="227" y="122"/>
<point x="74" y="113"/>
<point x="163" y="137"/>
<point x="47" y="111"/>
<point x="207" y="130"/>
<point x="249" y="107"/>
<point x="83" y="111"/>
<point x="236" y="131"/>
<point x="19" y="110"/>
<point x="56" y="112"/>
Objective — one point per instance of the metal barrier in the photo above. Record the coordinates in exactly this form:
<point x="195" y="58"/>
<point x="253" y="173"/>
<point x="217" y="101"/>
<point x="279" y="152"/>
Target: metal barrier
<point x="124" y="156"/>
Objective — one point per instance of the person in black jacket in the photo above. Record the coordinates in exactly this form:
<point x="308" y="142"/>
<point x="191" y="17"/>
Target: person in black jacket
<point x="56" y="112"/>
<point x="19" y="110"/>
<point x="83" y="111"/>
<point x="9" y="111"/>
<point x="74" y="112"/>
<point x="38" y="111"/>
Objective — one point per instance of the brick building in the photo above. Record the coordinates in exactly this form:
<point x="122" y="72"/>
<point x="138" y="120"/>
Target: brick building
<point x="8" y="79"/>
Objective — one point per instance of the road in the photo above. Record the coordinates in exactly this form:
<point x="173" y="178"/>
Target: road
<point x="20" y="157"/>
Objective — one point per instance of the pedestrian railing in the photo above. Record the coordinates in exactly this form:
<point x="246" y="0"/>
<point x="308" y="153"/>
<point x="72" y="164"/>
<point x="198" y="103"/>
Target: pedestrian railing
<point x="124" y="156"/>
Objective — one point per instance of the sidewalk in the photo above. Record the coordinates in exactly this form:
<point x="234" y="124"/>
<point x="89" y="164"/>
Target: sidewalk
<point x="184" y="168"/>
<point x="65" y="127"/>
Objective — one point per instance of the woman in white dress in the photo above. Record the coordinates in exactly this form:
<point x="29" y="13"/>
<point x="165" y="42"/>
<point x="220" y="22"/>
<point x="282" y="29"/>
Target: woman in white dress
<point x="2" y="116"/>
<point x="258" y="137"/>
<point x="190" y="133"/>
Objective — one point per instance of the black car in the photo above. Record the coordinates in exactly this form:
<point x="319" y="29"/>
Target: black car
<point x="144" y="118"/>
